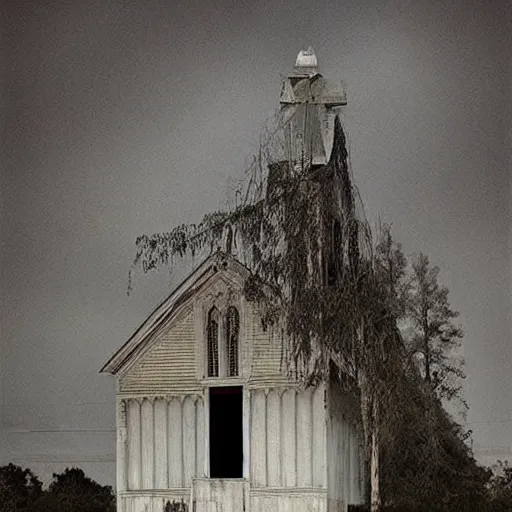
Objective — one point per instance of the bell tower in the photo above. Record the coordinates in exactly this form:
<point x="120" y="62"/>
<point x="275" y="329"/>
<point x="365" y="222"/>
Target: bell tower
<point x="309" y="104"/>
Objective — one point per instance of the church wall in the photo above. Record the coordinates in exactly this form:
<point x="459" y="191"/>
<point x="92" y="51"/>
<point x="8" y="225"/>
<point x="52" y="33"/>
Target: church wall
<point x="288" y="500"/>
<point x="163" y="428"/>
<point x="175" y="364"/>
<point x="164" y="445"/>
<point x="169" y="366"/>
<point x="268" y="357"/>
<point x="344" y="450"/>
<point x="288" y="436"/>
<point x="151" y="501"/>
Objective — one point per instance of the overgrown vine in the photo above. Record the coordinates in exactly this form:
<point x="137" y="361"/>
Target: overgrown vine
<point x="317" y="276"/>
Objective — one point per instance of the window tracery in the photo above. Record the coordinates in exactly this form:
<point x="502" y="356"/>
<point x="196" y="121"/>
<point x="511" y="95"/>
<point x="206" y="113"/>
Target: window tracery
<point x="232" y="333"/>
<point x="222" y="341"/>
<point x="213" y="342"/>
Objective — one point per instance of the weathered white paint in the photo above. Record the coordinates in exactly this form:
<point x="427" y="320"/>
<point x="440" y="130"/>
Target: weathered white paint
<point x="306" y="59"/>
<point x="289" y="436"/>
<point x="152" y="500"/>
<point x="160" y="423"/>
<point x="258" y="438"/>
<point x="122" y="449"/>
<point x="288" y="426"/>
<point x="147" y="435"/>
<point x="304" y="439"/>
<point x="355" y="495"/>
<point x="344" y="449"/>
<point x="134" y="453"/>
<point x="287" y="499"/>
<point x="334" y="455"/>
<point x="222" y="495"/>
<point x="189" y="440"/>
<point x="267" y="362"/>
<point x="319" y="438"/>
<point x="301" y="446"/>
<point x="273" y="462"/>
<point x="169" y="365"/>
<point x="175" y="443"/>
<point x="200" y="437"/>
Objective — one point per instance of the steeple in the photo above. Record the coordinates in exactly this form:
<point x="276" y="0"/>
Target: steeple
<point x="306" y="63"/>
<point x="309" y="104"/>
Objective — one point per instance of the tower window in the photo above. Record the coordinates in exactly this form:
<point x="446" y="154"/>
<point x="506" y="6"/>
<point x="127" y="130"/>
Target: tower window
<point x="213" y="342"/>
<point x="232" y="332"/>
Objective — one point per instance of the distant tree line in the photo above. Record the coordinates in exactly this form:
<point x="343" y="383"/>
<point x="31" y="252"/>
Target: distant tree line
<point x="70" y="491"/>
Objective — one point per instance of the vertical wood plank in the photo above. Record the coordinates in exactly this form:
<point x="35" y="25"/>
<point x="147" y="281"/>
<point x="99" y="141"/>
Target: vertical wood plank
<point x="258" y="438"/>
<point x="134" y="461"/>
<point x="189" y="440"/>
<point x="122" y="447"/>
<point x="319" y="439"/>
<point x="161" y="464"/>
<point x="273" y="439"/>
<point x="289" y="438"/>
<point x="147" y="444"/>
<point x="200" y="434"/>
<point x="304" y="439"/>
<point x="174" y="439"/>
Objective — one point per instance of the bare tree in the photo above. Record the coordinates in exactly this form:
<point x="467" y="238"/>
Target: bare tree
<point x="432" y="334"/>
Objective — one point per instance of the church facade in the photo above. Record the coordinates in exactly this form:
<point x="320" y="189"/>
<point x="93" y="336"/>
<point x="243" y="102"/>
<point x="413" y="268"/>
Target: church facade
<point x="209" y="416"/>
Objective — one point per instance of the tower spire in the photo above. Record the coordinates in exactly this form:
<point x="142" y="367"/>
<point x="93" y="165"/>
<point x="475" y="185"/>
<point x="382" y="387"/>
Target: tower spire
<point x="309" y="104"/>
<point x="306" y="63"/>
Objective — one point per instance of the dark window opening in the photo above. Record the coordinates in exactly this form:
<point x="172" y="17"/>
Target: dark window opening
<point x="226" y="439"/>
<point x="213" y="343"/>
<point x="232" y="328"/>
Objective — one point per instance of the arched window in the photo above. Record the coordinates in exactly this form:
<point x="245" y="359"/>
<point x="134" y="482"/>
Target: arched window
<point x="213" y="342"/>
<point x="232" y="331"/>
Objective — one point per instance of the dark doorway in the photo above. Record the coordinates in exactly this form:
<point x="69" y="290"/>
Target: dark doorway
<point x="226" y="439"/>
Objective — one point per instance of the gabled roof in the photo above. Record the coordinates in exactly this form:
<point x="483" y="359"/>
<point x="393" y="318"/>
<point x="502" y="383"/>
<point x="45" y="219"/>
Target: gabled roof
<point x="171" y="306"/>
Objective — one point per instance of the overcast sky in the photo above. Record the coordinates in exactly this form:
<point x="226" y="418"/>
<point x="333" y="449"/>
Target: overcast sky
<point x="129" y="117"/>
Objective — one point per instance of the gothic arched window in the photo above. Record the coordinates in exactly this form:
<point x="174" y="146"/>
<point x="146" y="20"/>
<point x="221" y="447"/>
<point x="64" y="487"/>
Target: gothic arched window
<point x="232" y="332"/>
<point x="213" y="342"/>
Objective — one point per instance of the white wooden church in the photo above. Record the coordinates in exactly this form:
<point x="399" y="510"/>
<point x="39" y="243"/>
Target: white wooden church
<point x="208" y="415"/>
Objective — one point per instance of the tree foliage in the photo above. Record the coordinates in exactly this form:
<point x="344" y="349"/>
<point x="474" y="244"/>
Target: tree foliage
<point x="70" y="491"/>
<point x="19" y="489"/>
<point x="500" y="487"/>
<point x="338" y="295"/>
<point x="432" y="333"/>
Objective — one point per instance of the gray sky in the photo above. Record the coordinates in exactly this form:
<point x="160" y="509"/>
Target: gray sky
<point x="124" y="118"/>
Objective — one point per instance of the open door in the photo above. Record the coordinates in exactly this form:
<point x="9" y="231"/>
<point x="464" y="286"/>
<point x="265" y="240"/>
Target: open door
<point x="226" y="433"/>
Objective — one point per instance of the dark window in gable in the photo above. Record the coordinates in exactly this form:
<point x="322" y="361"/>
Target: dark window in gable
<point x="213" y="342"/>
<point x="232" y="333"/>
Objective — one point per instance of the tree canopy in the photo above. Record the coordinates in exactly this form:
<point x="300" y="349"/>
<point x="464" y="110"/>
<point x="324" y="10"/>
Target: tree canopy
<point x="432" y="333"/>
<point x="338" y="294"/>
<point x="70" y="491"/>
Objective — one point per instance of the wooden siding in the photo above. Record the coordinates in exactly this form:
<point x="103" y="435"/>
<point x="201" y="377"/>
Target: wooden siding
<point x="344" y="450"/>
<point x="168" y="367"/>
<point x="165" y="442"/>
<point x="288" y="438"/>
<point x="151" y="501"/>
<point x="268" y="362"/>
<point x="288" y="500"/>
<point x="223" y="495"/>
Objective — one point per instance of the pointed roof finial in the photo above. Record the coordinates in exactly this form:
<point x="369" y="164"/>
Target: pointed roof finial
<point x="306" y="62"/>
